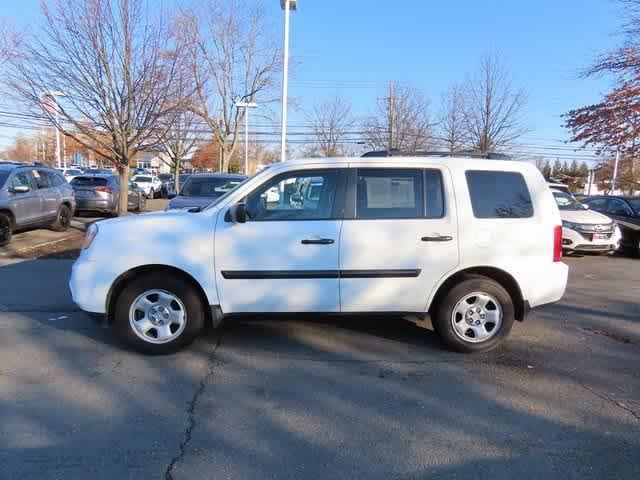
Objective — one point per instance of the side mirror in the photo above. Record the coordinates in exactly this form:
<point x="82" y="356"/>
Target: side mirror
<point x="20" y="189"/>
<point x="237" y="213"/>
<point x="585" y="206"/>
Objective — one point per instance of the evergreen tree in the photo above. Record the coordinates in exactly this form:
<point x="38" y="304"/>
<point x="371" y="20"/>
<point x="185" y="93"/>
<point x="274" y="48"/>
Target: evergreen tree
<point x="583" y="171"/>
<point x="546" y="170"/>
<point x="573" y="170"/>
<point x="557" y="167"/>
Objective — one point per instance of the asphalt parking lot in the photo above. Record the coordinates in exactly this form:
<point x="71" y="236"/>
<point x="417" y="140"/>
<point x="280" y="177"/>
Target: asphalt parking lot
<point x="322" y="398"/>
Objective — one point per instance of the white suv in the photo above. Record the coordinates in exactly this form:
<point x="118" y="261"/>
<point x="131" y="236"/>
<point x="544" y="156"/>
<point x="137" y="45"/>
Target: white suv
<point x="584" y="230"/>
<point x="471" y="243"/>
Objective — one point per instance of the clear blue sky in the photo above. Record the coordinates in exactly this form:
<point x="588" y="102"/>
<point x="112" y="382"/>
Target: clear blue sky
<point x="430" y="44"/>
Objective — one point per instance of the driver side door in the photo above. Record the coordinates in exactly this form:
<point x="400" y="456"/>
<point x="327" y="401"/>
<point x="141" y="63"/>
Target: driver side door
<point x="27" y="206"/>
<point x="284" y="258"/>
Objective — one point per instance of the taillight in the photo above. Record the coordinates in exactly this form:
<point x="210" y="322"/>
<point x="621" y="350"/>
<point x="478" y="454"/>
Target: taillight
<point x="557" y="244"/>
<point x="104" y="189"/>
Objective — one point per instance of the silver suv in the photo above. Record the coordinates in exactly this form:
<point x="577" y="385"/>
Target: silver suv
<point x="33" y="196"/>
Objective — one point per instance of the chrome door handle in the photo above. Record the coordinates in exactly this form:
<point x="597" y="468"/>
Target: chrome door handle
<point x="437" y="238"/>
<point x="317" y="241"/>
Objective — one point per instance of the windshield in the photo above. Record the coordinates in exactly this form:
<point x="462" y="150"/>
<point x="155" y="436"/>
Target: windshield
<point x="566" y="201"/>
<point x="213" y="187"/>
<point x="634" y="202"/>
<point x="142" y="179"/>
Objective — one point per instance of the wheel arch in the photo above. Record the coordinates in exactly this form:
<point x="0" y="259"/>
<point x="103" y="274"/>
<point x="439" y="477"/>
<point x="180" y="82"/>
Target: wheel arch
<point x="505" y="279"/>
<point x="121" y="282"/>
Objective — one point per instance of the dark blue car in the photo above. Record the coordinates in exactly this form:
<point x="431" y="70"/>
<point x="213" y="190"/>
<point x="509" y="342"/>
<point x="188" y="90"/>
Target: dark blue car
<point x="203" y="188"/>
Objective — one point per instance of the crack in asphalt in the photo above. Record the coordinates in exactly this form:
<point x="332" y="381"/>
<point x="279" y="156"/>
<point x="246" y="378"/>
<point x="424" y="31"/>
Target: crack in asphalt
<point x="191" y="409"/>
<point x="617" y="403"/>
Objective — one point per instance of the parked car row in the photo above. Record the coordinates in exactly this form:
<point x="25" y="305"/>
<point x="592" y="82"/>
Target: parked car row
<point x="36" y="196"/>
<point x="33" y="196"/>
<point x="600" y="224"/>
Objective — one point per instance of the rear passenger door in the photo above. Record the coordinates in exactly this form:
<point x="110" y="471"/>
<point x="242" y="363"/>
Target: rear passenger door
<point x="398" y="238"/>
<point x="49" y="194"/>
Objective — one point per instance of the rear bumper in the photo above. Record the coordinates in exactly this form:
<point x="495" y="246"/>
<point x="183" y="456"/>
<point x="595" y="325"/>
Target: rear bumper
<point x="94" y="204"/>
<point x="548" y="285"/>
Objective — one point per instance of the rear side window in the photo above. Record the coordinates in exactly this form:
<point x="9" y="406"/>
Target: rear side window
<point x="435" y="195"/>
<point x="56" y="179"/>
<point x="389" y="193"/>
<point x="499" y="194"/>
<point x="43" y="179"/>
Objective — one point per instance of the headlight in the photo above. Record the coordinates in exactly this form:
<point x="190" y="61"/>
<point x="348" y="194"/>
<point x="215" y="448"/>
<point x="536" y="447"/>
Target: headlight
<point x="89" y="235"/>
<point x="570" y="225"/>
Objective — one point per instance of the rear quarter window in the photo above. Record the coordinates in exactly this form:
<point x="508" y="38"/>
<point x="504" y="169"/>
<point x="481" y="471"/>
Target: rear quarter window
<point x="497" y="194"/>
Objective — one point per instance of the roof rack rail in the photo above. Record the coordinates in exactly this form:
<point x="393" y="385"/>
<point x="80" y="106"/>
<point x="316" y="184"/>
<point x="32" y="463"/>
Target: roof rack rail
<point x="436" y="153"/>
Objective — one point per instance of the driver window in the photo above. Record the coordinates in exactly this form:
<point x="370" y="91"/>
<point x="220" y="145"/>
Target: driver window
<point x="618" y="207"/>
<point x="307" y="195"/>
<point x="21" y="179"/>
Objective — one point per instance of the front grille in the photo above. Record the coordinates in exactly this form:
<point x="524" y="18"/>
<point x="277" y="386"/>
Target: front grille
<point x="595" y="248"/>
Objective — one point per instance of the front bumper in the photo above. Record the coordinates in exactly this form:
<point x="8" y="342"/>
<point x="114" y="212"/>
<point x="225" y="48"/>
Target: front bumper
<point x="575" y="241"/>
<point x="89" y="286"/>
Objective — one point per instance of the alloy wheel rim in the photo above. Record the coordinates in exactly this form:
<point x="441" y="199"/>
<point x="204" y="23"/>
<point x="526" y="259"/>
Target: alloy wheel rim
<point x="157" y="316"/>
<point x="477" y="317"/>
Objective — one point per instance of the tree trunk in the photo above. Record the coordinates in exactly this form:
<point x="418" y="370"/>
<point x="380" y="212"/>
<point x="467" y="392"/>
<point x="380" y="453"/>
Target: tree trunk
<point x="123" y="200"/>
<point x="176" y="176"/>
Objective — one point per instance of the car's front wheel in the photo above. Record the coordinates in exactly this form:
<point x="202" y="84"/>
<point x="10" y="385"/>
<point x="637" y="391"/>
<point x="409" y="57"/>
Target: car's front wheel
<point x="5" y="229"/>
<point x="158" y="314"/>
<point x="474" y="316"/>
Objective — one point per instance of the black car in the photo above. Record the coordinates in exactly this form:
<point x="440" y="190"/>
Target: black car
<point x="625" y="211"/>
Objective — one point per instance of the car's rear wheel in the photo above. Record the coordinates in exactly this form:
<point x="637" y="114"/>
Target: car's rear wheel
<point x="5" y="229"/>
<point x="63" y="219"/>
<point x="474" y="316"/>
<point x="158" y="314"/>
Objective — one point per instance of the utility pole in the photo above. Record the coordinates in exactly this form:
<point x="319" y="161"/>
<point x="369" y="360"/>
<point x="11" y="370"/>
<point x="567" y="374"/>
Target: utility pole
<point x="287" y="6"/>
<point x="390" y="99"/>
<point x="246" y="106"/>
<point x="615" y="171"/>
<point x="390" y="107"/>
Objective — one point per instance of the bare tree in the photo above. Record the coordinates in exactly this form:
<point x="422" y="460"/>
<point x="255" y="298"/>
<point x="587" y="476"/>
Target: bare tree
<point x="232" y="58"/>
<point x="492" y="107"/>
<point x="115" y="62"/>
<point x="330" y="123"/>
<point x="178" y="142"/>
<point x="401" y="121"/>
<point x="451" y="126"/>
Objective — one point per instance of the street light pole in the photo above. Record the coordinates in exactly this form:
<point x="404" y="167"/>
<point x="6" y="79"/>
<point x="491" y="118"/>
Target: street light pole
<point x="246" y="106"/>
<point x="287" y="6"/>
<point x="615" y="172"/>
<point x="53" y="94"/>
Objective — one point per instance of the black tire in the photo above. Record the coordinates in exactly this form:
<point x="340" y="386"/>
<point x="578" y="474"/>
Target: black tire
<point x="63" y="219"/>
<point x="443" y="316"/>
<point x="5" y="229"/>
<point x="184" y="291"/>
